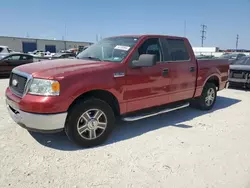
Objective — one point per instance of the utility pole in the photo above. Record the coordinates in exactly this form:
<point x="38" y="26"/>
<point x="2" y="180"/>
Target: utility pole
<point x="203" y="33"/>
<point x="237" y="41"/>
<point x="64" y="37"/>
<point x="65" y="32"/>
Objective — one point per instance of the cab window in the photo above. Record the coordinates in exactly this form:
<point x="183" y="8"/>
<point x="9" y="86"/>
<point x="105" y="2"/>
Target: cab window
<point x="150" y="46"/>
<point x="177" y="50"/>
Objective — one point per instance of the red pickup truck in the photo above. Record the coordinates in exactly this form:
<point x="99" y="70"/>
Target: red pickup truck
<point x="128" y="77"/>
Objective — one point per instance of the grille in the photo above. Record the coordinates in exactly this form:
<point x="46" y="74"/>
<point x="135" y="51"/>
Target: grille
<point x="236" y="74"/>
<point x="19" y="87"/>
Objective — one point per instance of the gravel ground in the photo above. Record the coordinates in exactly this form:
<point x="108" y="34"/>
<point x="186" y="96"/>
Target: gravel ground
<point x="185" y="148"/>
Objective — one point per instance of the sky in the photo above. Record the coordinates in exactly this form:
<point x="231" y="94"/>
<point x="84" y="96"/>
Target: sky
<point x="82" y="20"/>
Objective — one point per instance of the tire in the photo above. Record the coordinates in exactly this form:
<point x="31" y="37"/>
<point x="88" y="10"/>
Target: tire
<point x="248" y="86"/>
<point x="230" y="85"/>
<point x="86" y="130"/>
<point x="201" y="102"/>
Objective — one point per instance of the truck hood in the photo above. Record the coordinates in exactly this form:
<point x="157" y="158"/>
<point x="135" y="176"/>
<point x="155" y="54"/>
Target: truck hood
<point x="240" y="67"/>
<point x="62" y="67"/>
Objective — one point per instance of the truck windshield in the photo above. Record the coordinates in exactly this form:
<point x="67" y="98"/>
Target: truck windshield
<point x="113" y="49"/>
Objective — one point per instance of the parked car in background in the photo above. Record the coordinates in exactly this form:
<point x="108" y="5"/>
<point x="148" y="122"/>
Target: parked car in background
<point x="127" y="77"/>
<point x="205" y="57"/>
<point x="12" y="60"/>
<point x="4" y="51"/>
<point x="75" y="50"/>
<point x="232" y="57"/>
<point x="63" y="55"/>
<point x="35" y="52"/>
<point x="240" y="73"/>
<point x="81" y="49"/>
<point x="40" y="53"/>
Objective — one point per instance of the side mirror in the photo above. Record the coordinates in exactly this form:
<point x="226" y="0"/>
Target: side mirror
<point x="145" y="60"/>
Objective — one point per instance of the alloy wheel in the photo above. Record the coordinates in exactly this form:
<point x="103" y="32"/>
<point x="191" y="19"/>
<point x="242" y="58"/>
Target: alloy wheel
<point x="210" y="97"/>
<point x="92" y="124"/>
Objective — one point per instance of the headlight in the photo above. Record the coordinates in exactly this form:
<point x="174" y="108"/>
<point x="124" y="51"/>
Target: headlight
<point x="44" y="87"/>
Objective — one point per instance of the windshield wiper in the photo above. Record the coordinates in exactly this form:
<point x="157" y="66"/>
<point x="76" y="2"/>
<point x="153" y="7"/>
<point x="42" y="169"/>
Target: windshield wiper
<point x="94" y="58"/>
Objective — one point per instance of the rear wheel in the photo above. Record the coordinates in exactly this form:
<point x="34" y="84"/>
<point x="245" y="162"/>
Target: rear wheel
<point x="207" y="99"/>
<point x="90" y="122"/>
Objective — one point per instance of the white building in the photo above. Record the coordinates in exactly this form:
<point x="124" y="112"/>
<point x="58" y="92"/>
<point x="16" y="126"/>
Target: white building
<point x="214" y="51"/>
<point x="30" y="44"/>
<point x="205" y="49"/>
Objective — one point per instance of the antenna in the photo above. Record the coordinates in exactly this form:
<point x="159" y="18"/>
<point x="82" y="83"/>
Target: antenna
<point x="203" y="33"/>
<point x="65" y="29"/>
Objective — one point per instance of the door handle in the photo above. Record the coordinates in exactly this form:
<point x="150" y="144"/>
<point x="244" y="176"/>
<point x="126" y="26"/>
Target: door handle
<point x="191" y="69"/>
<point x="165" y="72"/>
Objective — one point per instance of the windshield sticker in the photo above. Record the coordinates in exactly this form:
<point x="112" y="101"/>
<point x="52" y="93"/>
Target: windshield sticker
<point x="125" y="48"/>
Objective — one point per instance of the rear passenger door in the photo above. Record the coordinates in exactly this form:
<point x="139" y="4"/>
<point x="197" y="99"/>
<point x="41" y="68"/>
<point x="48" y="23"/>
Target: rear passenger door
<point x="182" y="68"/>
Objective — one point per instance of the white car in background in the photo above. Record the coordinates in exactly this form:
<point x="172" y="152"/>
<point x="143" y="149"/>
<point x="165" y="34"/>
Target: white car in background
<point x="4" y="51"/>
<point x="40" y="53"/>
<point x="35" y="52"/>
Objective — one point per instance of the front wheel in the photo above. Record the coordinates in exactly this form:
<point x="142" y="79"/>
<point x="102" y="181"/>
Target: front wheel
<point x="207" y="99"/>
<point x="90" y="122"/>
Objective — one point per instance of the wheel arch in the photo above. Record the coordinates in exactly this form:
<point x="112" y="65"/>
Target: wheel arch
<point x="213" y="79"/>
<point x="101" y="94"/>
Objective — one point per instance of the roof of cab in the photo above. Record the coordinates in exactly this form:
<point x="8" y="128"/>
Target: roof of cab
<point x="149" y="35"/>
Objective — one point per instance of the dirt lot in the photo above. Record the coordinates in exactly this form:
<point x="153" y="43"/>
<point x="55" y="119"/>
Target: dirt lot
<point x="186" y="148"/>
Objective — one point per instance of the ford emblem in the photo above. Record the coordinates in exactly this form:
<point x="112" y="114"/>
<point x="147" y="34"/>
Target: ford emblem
<point x="14" y="82"/>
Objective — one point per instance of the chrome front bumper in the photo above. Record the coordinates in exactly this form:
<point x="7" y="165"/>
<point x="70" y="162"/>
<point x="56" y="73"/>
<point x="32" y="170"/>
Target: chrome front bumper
<point x="36" y="122"/>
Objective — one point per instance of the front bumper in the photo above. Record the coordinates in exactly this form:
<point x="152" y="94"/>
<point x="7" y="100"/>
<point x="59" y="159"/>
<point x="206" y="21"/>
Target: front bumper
<point x="238" y="80"/>
<point x="36" y="122"/>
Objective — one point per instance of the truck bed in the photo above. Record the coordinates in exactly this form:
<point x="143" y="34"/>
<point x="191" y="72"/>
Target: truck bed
<point x="212" y="67"/>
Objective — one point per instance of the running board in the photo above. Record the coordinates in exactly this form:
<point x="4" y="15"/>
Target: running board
<point x="147" y="115"/>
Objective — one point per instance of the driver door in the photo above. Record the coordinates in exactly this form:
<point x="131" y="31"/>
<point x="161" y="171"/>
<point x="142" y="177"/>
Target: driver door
<point x="146" y="86"/>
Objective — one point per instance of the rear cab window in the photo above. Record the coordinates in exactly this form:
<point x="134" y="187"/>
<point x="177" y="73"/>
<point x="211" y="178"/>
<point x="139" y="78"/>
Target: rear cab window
<point x="175" y="50"/>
